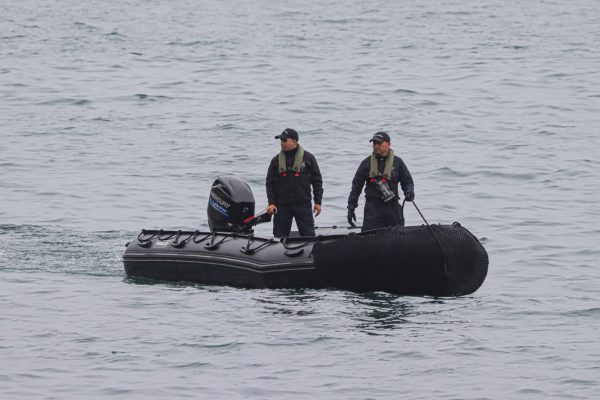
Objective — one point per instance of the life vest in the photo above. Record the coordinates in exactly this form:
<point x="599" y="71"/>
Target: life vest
<point x="296" y="167"/>
<point x="386" y="175"/>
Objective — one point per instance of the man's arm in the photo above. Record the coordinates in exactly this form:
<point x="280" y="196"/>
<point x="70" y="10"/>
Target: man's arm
<point x="357" y="185"/>
<point x="316" y="180"/>
<point x="406" y="180"/>
<point x="270" y="182"/>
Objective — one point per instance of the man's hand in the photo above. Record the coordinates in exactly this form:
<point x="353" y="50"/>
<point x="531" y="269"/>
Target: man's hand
<point x="272" y="209"/>
<point x="317" y="210"/>
<point x="409" y="196"/>
<point x="351" y="217"/>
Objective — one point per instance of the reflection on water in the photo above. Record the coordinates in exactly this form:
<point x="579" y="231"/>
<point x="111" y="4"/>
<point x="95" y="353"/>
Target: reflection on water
<point x="372" y="313"/>
<point x="300" y="302"/>
<point x="378" y="311"/>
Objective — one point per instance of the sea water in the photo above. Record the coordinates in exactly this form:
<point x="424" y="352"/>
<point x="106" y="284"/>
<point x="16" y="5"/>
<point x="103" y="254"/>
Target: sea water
<point x="117" y="116"/>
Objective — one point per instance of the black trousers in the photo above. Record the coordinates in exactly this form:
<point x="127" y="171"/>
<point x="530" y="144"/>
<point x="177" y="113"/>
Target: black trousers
<point x="302" y="213"/>
<point x="379" y="215"/>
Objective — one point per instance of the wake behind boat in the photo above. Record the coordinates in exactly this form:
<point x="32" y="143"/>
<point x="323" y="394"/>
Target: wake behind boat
<point x="433" y="260"/>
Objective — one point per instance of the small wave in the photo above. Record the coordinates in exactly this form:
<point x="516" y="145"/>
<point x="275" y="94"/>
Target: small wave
<point x="516" y="47"/>
<point x="85" y="26"/>
<point x="227" y="127"/>
<point x="7" y="164"/>
<point x="192" y="365"/>
<point x="557" y="75"/>
<point x="405" y="91"/>
<point x="73" y="102"/>
<point x="445" y="171"/>
<point x="48" y="248"/>
<point x="291" y="13"/>
<point x="169" y="84"/>
<point x="147" y="97"/>
<point x="115" y="34"/>
<point x="547" y="133"/>
<point x="194" y="43"/>
<point x="352" y="20"/>
<point x="589" y="312"/>
<point x="428" y="103"/>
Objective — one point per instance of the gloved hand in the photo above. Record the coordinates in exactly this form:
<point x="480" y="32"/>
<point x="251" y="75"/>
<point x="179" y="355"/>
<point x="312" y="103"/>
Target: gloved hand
<point x="409" y="196"/>
<point x="351" y="217"/>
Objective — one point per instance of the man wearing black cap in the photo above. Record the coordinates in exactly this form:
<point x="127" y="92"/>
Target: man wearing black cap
<point x="289" y="178"/>
<point x="381" y="171"/>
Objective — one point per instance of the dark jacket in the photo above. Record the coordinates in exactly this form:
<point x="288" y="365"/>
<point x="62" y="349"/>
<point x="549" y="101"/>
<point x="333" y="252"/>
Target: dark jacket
<point x="291" y="189"/>
<point x="400" y="174"/>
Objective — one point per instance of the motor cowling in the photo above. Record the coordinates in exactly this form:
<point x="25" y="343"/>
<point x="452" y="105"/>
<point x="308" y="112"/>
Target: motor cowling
<point x="230" y="203"/>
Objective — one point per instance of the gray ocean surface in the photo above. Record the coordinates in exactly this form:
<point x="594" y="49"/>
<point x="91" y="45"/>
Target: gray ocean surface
<point x="118" y="115"/>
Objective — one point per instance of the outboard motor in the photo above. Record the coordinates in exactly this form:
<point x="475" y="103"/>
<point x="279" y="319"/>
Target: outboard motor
<point x="230" y="203"/>
<point x="231" y="206"/>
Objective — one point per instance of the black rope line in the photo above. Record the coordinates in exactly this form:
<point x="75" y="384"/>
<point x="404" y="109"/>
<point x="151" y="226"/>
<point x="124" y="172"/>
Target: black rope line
<point x="158" y="237"/>
<point x="248" y="250"/>
<point x="285" y="246"/>
<point x="201" y="240"/>
<point x="177" y="244"/>
<point x="434" y="235"/>
<point x="141" y="238"/>
<point x="212" y="245"/>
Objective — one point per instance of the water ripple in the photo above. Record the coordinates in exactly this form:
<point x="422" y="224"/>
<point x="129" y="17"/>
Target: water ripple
<point x="117" y="117"/>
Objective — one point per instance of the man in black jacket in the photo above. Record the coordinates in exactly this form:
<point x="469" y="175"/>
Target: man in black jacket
<point x="381" y="171"/>
<point x="289" y="179"/>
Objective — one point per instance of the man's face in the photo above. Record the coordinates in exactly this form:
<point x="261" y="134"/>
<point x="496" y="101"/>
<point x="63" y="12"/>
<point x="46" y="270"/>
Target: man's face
<point x="288" y="144"/>
<point x="381" y="149"/>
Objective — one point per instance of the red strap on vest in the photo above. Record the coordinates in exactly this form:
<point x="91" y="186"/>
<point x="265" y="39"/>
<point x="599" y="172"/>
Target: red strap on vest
<point x="285" y="173"/>
<point x="373" y="180"/>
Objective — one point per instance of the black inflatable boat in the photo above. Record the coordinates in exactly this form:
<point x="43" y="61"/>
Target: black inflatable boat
<point x="434" y="260"/>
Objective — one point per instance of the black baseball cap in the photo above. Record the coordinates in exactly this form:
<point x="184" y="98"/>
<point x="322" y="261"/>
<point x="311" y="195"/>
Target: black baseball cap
<point x="380" y="137"/>
<point x="288" y="133"/>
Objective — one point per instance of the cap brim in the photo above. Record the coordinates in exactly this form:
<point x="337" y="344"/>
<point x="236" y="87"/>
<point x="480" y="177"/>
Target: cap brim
<point x="377" y="140"/>
<point x="278" y="137"/>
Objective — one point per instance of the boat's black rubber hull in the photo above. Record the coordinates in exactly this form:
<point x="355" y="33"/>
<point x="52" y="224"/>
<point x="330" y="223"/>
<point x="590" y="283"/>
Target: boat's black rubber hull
<point x="434" y="261"/>
<point x="216" y="274"/>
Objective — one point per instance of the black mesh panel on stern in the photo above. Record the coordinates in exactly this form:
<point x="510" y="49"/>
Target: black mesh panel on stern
<point x="438" y="261"/>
